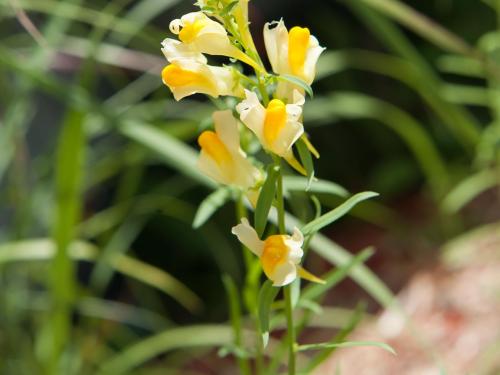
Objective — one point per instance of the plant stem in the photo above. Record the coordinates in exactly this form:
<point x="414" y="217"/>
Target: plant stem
<point x="280" y="205"/>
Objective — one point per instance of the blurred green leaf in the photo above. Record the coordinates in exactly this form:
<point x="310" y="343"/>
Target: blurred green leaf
<point x="139" y="16"/>
<point x="336" y="213"/>
<point x="175" y="338"/>
<point x="468" y="189"/>
<point x="210" y="205"/>
<point x="422" y="25"/>
<point x="44" y="249"/>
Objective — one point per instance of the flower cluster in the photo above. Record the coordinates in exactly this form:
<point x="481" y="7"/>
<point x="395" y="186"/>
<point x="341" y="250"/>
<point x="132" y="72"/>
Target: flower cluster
<point x="271" y="108"/>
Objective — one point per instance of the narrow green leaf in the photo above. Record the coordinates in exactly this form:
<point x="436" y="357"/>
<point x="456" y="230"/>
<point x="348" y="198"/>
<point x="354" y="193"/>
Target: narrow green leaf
<point x="296" y="81"/>
<point x="307" y="161"/>
<point x="267" y="295"/>
<point x="299" y="183"/>
<point x="346" y="344"/>
<point x="210" y="205"/>
<point x="337" y="212"/>
<point x="265" y="200"/>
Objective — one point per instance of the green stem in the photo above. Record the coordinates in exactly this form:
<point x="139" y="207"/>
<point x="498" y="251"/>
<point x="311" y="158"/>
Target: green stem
<point x="290" y="337"/>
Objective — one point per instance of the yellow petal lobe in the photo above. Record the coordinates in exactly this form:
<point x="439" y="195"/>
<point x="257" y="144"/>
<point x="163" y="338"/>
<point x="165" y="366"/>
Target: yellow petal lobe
<point x="175" y="76"/>
<point x="275" y="120"/>
<point x="275" y="253"/>
<point x="190" y="31"/>
<point x="210" y="142"/>
<point x="298" y="42"/>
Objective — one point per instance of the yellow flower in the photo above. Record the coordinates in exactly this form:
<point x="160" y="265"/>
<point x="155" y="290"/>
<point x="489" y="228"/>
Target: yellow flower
<point x="221" y="157"/>
<point x="277" y="127"/>
<point x="279" y="255"/>
<point x="186" y="77"/>
<point x="293" y="52"/>
<point x="205" y="35"/>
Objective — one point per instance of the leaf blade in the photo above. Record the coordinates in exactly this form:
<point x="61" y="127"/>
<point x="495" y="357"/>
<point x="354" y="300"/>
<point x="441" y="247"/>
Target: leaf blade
<point x="265" y="200"/>
<point x="337" y="212"/>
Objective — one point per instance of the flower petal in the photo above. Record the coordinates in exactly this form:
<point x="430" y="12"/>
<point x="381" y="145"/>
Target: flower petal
<point x="226" y="127"/>
<point x="248" y="236"/>
<point x="209" y="167"/>
<point x="276" y="41"/>
<point x="284" y="274"/>
<point x="176" y="51"/>
<point x="252" y="113"/>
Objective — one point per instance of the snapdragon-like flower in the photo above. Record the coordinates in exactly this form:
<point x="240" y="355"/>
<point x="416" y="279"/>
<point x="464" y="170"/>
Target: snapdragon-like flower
<point x="186" y="77"/>
<point x="277" y="127"/>
<point x="293" y="52"/>
<point x="205" y="35"/>
<point x="221" y="157"/>
<point x="280" y="255"/>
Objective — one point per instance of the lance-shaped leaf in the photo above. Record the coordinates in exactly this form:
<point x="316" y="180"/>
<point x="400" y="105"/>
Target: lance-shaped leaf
<point x="267" y="295"/>
<point x="337" y="212"/>
<point x="265" y="200"/>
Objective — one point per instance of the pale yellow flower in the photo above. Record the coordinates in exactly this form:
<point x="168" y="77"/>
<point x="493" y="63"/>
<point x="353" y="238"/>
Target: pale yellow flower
<point x="185" y="77"/>
<point x="221" y="157"/>
<point x="205" y="35"/>
<point x="280" y="255"/>
<point x="293" y="52"/>
<point x="277" y="127"/>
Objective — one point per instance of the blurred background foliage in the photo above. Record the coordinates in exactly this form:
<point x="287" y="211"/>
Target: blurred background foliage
<point x="93" y="159"/>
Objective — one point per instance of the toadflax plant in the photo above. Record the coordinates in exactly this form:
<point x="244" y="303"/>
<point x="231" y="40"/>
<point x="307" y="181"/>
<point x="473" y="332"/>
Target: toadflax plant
<point x="269" y="106"/>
